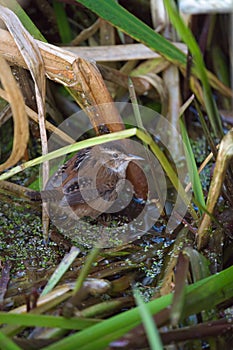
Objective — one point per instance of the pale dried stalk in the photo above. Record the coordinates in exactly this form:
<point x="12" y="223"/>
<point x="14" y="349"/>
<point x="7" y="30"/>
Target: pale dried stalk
<point x="159" y="16"/>
<point x="225" y="154"/>
<point x="34" y="61"/>
<point x="171" y="80"/>
<point x="113" y="53"/>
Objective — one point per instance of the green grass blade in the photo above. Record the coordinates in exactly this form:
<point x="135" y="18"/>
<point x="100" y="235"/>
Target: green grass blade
<point x="69" y="149"/>
<point x="86" y="268"/>
<point x="35" y="320"/>
<point x="7" y="344"/>
<point x="149" y="324"/>
<point x="118" y="16"/>
<point x="192" y="168"/>
<point x="62" y="22"/>
<point x="203" y="295"/>
<point x="61" y="269"/>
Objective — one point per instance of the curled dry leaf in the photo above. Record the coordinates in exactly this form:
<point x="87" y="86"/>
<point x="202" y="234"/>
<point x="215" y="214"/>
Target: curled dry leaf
<point x="21" y="130"/>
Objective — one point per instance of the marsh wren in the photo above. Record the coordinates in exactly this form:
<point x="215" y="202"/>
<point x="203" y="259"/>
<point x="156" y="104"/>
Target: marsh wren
<point x="89" y="182"/>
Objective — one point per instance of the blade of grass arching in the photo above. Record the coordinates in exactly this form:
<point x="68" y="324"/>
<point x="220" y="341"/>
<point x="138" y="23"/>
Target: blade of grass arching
<point x="192" y="168"/>
<point x="149" y="324"/>
<point x="69" y="149"/>
<point x="190" y="41"/>
<point x="62" y="22"/>
<point x="26" y="21"/>
<point x="144" y="137"/>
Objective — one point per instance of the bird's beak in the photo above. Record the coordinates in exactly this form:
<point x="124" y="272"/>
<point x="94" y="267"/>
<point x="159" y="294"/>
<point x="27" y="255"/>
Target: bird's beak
<point x="133" y="157"/>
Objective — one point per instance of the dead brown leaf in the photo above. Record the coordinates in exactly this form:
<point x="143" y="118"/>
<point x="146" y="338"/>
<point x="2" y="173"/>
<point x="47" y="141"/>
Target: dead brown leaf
<point x="21" y="130"/>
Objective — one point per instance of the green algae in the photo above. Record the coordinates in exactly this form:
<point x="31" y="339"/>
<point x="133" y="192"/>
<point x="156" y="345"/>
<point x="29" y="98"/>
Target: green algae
<point x="21" y="238"/>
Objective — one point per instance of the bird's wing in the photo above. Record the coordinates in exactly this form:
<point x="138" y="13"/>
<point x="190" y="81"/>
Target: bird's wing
<point x="85" y="191"/>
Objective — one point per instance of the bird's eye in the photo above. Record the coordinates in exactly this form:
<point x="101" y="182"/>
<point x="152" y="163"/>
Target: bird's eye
<point x="115" y="155"/>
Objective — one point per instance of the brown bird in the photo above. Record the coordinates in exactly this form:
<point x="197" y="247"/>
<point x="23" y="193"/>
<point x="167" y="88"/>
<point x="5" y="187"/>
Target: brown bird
<point x="88" y="183"/>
